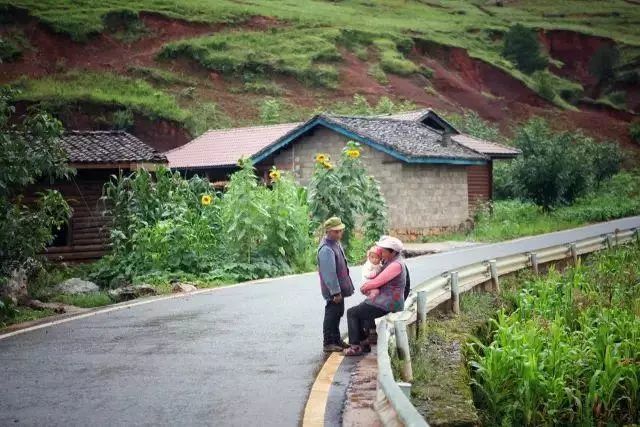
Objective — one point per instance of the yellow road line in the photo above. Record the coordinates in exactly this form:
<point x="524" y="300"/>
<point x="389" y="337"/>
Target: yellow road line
<point x="317" y="402"/>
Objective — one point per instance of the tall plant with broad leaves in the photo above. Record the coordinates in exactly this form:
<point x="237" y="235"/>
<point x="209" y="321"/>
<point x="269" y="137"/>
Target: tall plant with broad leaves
<point x="160" y="222"/>
<point x="30" y="151"/>
<point x="347" y="191"/>
<point x="242" y="214"/>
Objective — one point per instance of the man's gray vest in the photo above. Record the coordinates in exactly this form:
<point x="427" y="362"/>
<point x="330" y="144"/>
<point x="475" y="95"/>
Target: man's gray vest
<point x="342" y="269"/>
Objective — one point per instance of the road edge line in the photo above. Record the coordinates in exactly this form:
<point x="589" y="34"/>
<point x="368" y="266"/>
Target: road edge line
<point x="121" y="306"/>
<point x="316" y="406"/>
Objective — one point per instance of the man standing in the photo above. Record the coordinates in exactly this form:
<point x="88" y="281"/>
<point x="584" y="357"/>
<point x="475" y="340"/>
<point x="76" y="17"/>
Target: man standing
<point x="335" y="282"/>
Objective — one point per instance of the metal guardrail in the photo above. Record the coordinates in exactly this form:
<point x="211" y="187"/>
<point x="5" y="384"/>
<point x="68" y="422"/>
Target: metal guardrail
<point x="393" y="404"/>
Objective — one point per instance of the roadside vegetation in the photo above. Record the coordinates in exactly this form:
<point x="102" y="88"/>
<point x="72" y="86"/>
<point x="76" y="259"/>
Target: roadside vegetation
<point x="167" y="228"/>
<point x="561" y="180"/>
<point x="567" y="349"/>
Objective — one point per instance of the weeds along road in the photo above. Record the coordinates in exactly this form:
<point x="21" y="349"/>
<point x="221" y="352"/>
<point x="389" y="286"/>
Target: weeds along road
<point x="238" y="356"/>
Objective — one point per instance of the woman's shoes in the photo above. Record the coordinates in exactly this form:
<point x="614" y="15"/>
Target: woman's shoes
<point x="353" y="350"/>
<point x="357" y="350"/>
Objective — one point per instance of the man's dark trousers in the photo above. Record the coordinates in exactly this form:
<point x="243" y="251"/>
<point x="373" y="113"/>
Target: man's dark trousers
<point x="333" y="312"/>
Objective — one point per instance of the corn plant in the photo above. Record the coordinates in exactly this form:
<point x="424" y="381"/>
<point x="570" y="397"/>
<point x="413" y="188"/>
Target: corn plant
<point x="569" y="353"/>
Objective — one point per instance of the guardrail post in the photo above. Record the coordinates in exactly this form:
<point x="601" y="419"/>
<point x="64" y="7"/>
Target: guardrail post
<point x="422" y="312"/>
<point x="574" y="253"/>
<point x="455" y="293"/>
<point x="493" y="269"/>
<point x="402" y="344"/>
<point x="534" y="262"/>
<point x="609" y="240"/>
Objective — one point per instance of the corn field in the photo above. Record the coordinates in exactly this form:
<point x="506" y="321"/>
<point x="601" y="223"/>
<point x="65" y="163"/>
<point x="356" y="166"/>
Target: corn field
<point x="569" y="351"/>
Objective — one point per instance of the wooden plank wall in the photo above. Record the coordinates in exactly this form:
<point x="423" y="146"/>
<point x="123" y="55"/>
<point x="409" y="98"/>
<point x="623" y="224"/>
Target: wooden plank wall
<point x="479" y="183"/>
<point x="88" y="226"/>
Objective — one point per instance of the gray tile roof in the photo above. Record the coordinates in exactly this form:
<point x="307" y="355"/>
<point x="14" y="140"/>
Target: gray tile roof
<point x="408" y="138"/>
<point x="108" y="147"/>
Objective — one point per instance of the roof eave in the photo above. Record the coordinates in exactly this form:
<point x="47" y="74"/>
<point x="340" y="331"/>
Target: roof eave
<point x="327" y="122"/>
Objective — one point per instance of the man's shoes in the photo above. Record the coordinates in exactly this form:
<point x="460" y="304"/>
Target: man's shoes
<point x="331" y="348"/>
<point x="344" y="344"/>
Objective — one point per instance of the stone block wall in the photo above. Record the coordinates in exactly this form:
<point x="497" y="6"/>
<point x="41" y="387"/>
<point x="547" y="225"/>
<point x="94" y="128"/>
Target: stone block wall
<point x="422" y="199"/>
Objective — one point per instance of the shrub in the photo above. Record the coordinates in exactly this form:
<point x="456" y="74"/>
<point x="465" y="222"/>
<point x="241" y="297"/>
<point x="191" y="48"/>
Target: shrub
<point x="556" y="168"/>
<point x="471" y="123"/>
<point x="9" y="50"/>
<point x="166" y="224"/>
<point x="427" y="71"/>
<point x="521" y="46"/>
<point x="544" y="85"/>
<point x="270" y="111"/>
<point x="603" y="63"/>
<point x="31" y="151"/>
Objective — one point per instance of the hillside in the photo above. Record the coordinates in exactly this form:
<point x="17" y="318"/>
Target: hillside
<point x="170" y="70"/>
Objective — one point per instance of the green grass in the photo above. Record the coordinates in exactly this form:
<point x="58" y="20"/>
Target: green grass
<point x="90" y="300"/>
<point x="567" y="349"/>
<point x="24" y="314"/>
<point x="160" y="76"/>
<point x="616" y="198"/>
<point x="304" y="54"/>
<point x="102" y="88"/>
<point x="471" y="25"/>
<point x="440" y="389"/>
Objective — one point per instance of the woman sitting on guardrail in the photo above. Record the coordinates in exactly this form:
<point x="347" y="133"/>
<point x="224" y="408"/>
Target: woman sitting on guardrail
<point x="390" y="283"/>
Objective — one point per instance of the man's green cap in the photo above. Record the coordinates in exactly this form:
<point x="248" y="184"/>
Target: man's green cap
<point x="333" y="224"/>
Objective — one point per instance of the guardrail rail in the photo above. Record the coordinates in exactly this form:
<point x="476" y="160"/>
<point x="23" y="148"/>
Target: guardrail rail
<point x="393" y="404"/>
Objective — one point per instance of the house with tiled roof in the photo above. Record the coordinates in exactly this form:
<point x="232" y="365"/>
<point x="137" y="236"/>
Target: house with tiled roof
<point x="432" y="175"/>
<point x="96" y="155"/>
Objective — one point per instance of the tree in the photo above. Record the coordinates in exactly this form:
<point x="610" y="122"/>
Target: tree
<point x="603" y="62"/>
<point x="29" y="151"/>
<point x="521" y="46"/>
<point x="558" y="167"/>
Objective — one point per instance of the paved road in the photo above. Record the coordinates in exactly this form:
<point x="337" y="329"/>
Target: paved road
<point x="238" y="356"/>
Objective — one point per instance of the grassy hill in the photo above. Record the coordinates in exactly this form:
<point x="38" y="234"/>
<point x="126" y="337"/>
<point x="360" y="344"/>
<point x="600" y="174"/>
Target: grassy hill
<point x="215" y="63"/>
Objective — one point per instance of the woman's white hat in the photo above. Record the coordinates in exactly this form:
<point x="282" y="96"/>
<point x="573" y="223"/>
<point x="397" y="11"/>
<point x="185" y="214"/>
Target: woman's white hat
<point x="392" y="243"/>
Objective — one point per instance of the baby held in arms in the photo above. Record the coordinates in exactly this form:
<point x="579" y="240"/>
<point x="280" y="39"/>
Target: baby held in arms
<point x="372" y="268"/>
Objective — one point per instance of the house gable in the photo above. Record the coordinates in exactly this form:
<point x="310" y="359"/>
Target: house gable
<point x="326" y="122"/>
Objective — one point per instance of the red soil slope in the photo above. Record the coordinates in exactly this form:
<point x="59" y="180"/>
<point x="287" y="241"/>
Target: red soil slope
<point x="460" y="82"/>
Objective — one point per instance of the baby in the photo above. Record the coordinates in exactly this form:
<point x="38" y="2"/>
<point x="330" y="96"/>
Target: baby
<point x="372" y="268"/>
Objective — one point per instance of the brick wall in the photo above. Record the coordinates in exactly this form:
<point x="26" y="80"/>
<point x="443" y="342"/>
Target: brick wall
<point x="422" y="199"/>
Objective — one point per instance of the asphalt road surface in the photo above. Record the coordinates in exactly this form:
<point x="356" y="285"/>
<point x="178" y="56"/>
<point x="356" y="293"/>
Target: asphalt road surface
<point x="238" y="356"/>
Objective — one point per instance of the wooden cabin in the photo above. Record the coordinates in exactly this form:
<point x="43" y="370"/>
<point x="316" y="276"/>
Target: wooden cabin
<point x="96" y="155"/>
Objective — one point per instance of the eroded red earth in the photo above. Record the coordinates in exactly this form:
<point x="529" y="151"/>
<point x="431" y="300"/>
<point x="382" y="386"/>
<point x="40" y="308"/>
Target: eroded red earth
<point x="460" y="81"/>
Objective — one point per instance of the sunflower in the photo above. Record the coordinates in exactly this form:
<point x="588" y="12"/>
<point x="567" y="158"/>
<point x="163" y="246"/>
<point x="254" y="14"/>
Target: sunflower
<point x="353" y="153"/>
<point x="275" y="175"/>
<point x="322" y="158"/>
<point x="206" y="200"/>
<point x="327" y="164"/>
